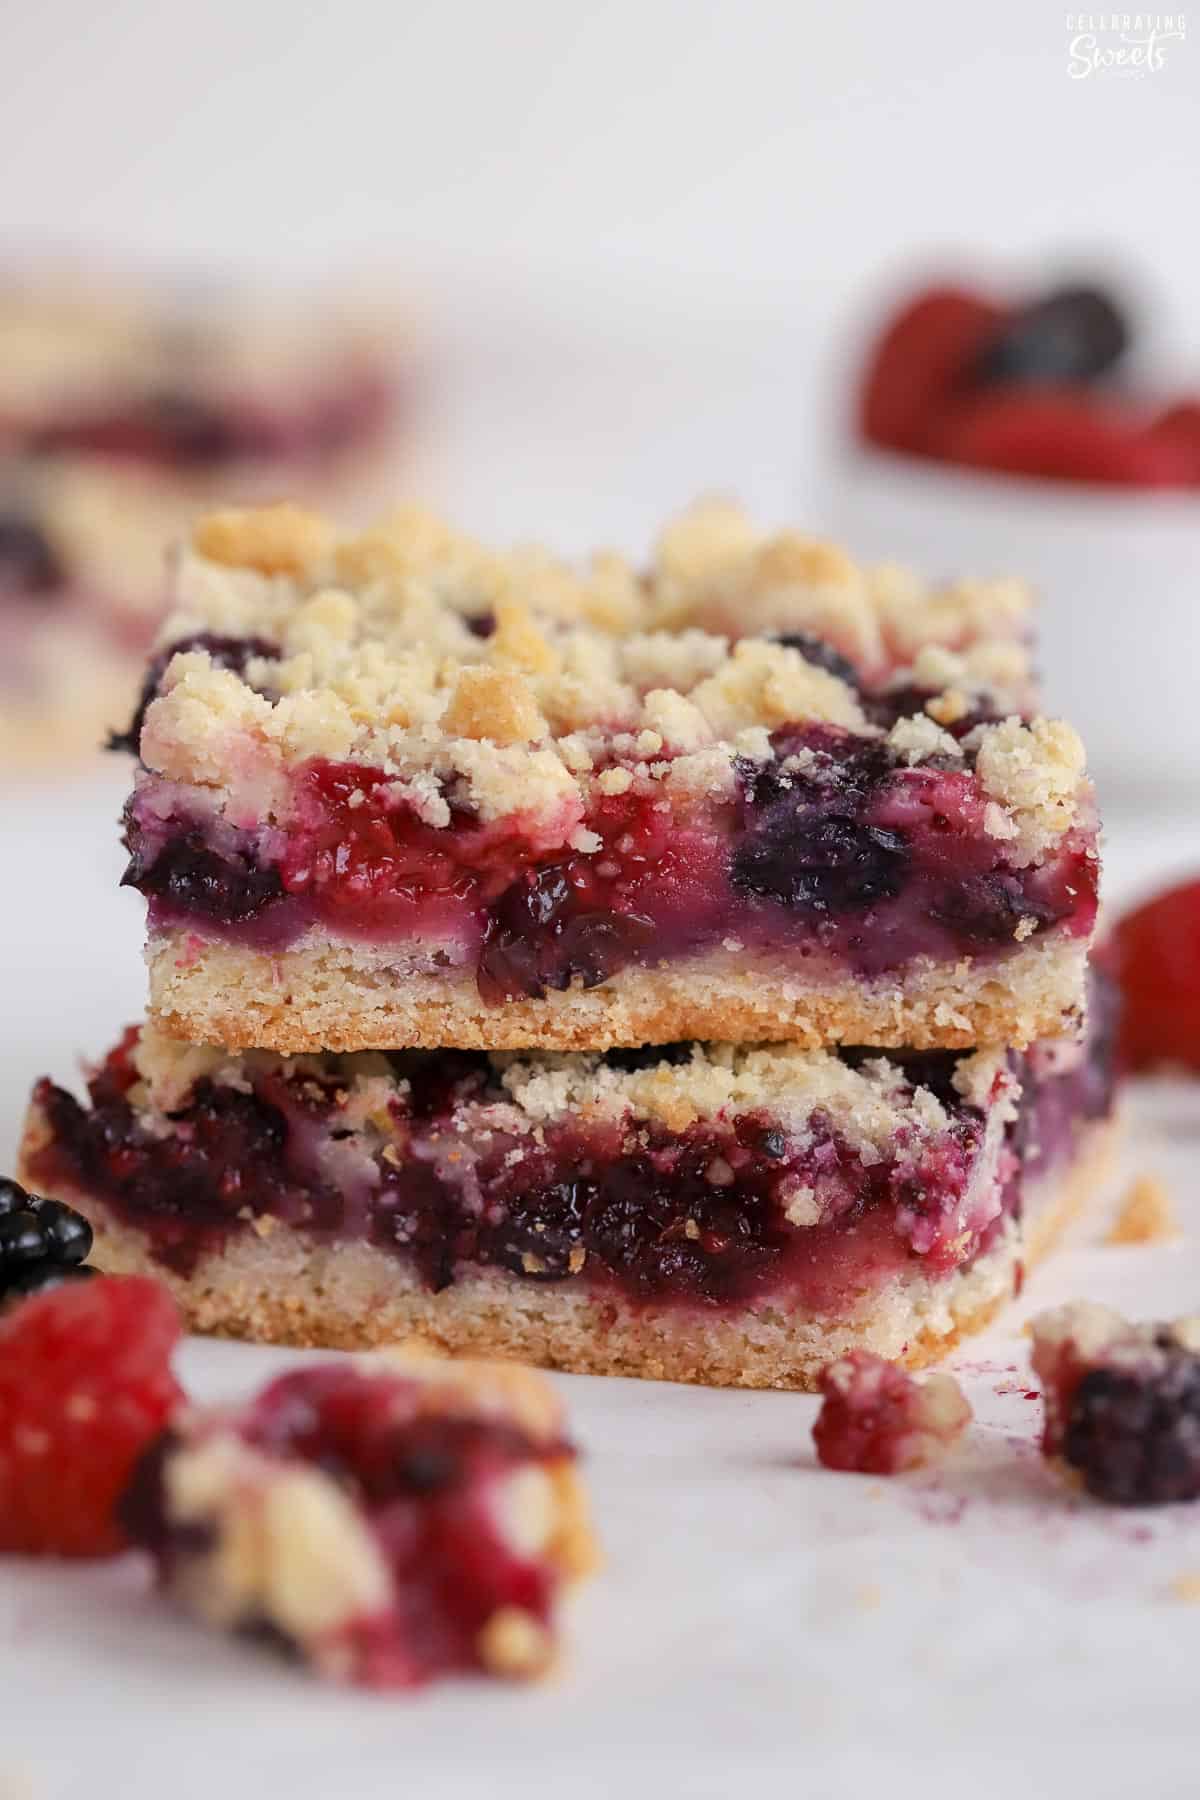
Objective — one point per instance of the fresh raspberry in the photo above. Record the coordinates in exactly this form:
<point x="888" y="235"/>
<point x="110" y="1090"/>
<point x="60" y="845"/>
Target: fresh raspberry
<point x="920" y="366"/>
<point x="85" y="1383"/>
<point x="1158" y="959"/>
<point x="877" y="1420"/>
<point x="1063" y="435"/>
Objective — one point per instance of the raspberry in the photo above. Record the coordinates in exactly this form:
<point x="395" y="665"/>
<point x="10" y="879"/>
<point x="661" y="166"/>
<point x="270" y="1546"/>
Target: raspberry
<point x="921" y="364"/>
<point x="85" y="1383"/>
<point x="876" y="1420"/>
<point x="1063" y="435"/>
<point x="1158" y="960"/>
<point x="1179" y="426"/>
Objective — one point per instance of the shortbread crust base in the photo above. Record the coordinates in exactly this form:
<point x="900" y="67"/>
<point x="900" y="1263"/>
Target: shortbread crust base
<point x="283" y="1288"/>
<point x="332" y="995"/>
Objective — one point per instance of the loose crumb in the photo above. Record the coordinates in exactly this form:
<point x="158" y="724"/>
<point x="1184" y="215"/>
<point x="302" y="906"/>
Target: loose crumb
<point x="1146" y="1215"/>
<point x="1186" y="1587"/>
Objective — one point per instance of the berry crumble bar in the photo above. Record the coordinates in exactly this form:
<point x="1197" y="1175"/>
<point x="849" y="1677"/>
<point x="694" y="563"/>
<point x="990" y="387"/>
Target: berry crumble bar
<point x="199" y="385"/>
<point x="395" y="790"/>
<point x="737" y="1216"/>
<point x="388" y="1521"/>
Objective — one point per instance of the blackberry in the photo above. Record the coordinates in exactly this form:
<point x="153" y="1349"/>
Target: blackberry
<point x="1072" y="334"/>
<point x="1133" y="1432"/>
<point x="42" y="1243"/>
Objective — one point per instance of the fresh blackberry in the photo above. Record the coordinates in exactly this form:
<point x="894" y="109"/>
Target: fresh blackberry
<point x="42" y="1242"/>
<point x="1133" y="1431"/>
<point x="1072" y="334"/>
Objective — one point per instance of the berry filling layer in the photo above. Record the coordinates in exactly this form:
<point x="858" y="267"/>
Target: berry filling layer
<point x="835" y="854"/>
<point x="690" y="1178"/>
<point x="385" y="1525"/>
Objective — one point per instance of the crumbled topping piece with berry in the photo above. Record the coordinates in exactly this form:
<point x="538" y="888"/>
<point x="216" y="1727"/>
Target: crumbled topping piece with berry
<point x="1122" y="1402"/>
<point x="878" y="1420"/>
<point x="392" y="1520"/>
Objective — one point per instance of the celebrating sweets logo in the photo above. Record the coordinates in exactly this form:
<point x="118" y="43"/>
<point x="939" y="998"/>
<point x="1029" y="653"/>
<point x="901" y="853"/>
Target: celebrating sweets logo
<point x="1121" y="43"/>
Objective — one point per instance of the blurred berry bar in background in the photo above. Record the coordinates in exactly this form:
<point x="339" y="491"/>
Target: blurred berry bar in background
<point x="82" y="586"/>
<point x="125" y="409"/>
<point x="389" y="1522"/>
<point x="193" y="383"/>
<point x="393" y="789"/>
<point x="1032" y="386"/>
<point x="728" y="1215"/>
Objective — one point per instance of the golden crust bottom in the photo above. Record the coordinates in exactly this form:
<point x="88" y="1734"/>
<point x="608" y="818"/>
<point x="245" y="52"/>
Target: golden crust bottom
<point x="282" y="1288"/>
<point x="330" y="995"/>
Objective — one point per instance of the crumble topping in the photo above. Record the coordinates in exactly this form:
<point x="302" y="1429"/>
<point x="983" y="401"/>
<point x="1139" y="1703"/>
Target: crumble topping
<point x="508" y="678"/>
<point x="873" y="1106"/>
<point x="1033" y="771"/>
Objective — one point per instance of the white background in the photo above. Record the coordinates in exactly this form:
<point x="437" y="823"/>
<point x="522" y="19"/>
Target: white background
<point x="696" y="148"/>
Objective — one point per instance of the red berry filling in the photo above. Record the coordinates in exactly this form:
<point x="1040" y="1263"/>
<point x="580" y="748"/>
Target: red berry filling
<point x="870" y="863"/>
<point x="85" y="1384"/>
<point x="433" y="1489"/>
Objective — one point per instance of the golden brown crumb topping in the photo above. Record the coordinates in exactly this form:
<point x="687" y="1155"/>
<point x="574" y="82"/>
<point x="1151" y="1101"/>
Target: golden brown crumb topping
<point x="505" y="679"/>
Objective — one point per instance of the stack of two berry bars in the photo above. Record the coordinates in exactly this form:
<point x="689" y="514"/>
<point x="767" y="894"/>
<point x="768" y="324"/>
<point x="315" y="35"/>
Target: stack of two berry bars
<point x="674" y="972"/>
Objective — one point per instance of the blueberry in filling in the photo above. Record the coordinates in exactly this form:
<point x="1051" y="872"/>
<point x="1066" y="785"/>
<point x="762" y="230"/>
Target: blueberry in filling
<point x="188" y="875"/>
<point x="806" y="844"/>
<point x="834" y="865"/>
<point x="541" y="934"/>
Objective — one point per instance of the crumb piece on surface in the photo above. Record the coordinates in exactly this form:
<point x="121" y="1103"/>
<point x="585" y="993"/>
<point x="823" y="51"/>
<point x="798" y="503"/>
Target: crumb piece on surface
<point x="1186" y="1587"/>
<point x="1146" y="1215"/>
